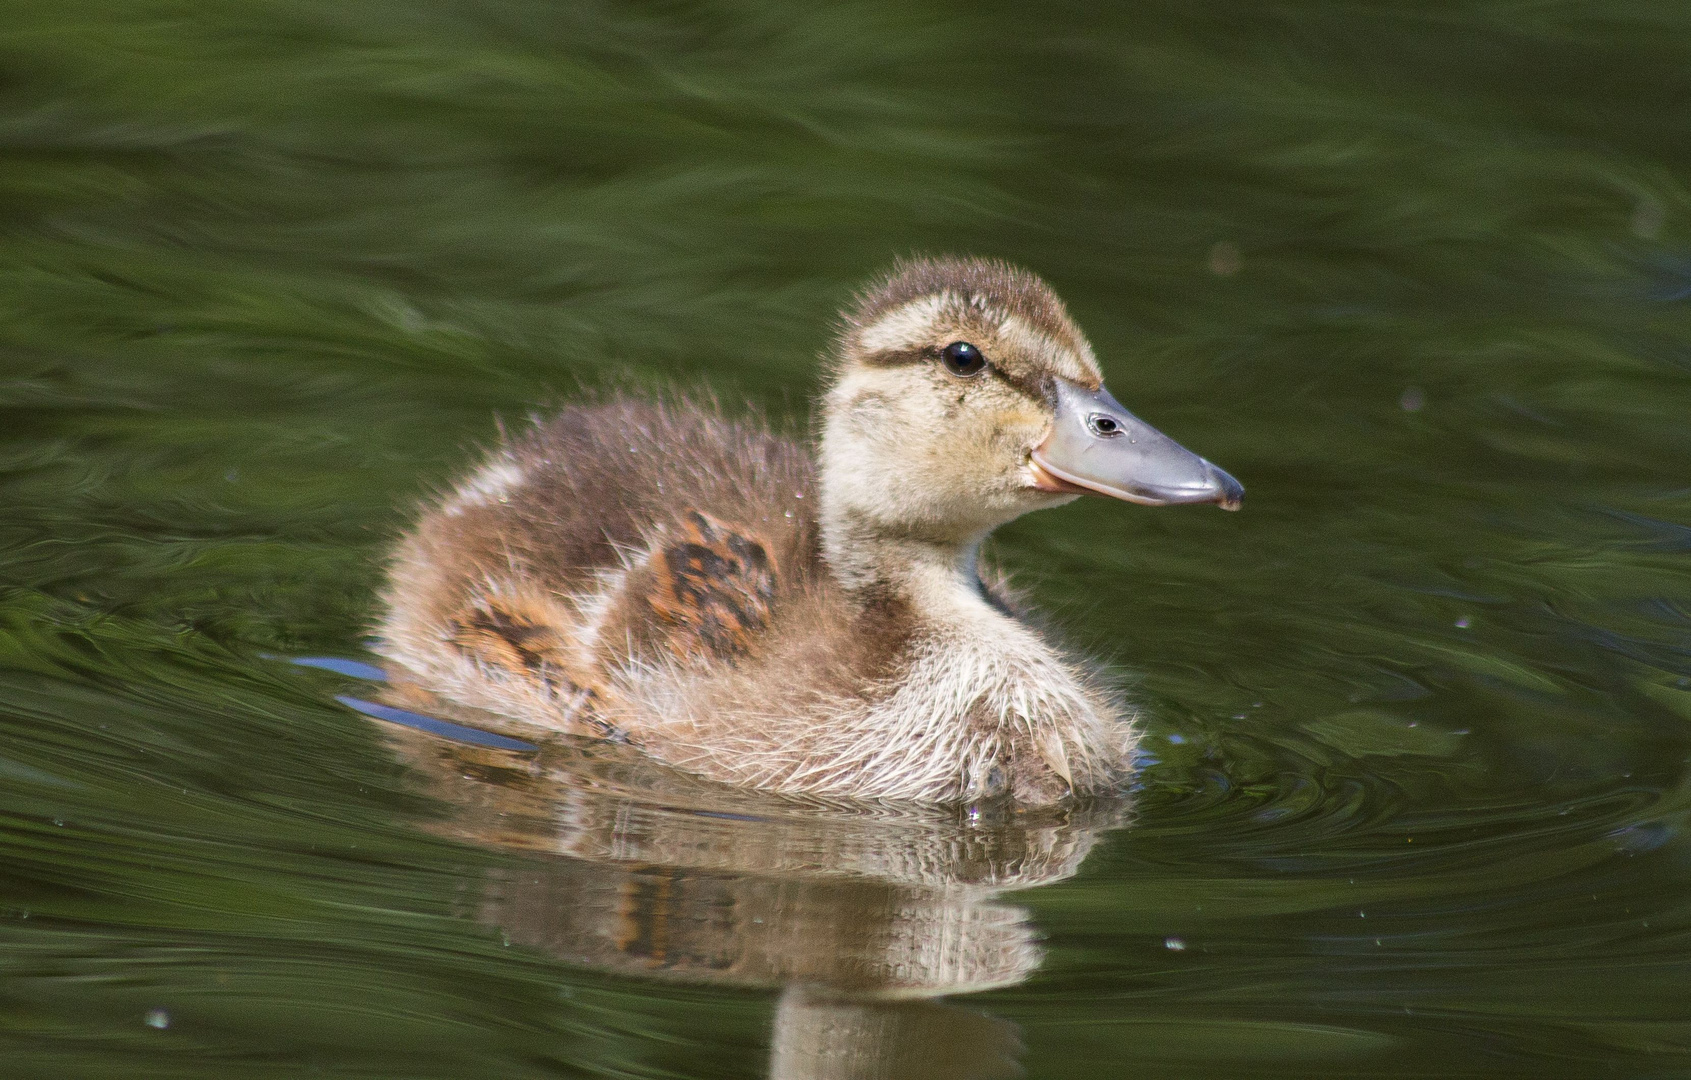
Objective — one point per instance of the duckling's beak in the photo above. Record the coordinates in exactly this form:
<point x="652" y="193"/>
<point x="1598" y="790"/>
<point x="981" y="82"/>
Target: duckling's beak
<point x="1098" y="447"/>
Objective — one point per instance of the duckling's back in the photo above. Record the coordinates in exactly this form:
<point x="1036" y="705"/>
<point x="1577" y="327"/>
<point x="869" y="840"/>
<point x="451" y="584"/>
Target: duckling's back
<point x="616" y="538"/>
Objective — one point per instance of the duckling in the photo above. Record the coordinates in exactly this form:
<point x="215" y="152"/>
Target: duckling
<point x="658" y="573"/>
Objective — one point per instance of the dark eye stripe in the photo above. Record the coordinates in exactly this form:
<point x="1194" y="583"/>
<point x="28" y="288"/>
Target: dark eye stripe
<point x="898" y="357"/>
<point x="1032" y="385"/>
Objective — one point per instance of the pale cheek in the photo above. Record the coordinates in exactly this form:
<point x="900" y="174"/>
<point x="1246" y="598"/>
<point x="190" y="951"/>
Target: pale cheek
<point x="995" y="454"/>
<point x="956" y="458"/>
<point x="867" y="412"/>
<point x="1018" y="431"/>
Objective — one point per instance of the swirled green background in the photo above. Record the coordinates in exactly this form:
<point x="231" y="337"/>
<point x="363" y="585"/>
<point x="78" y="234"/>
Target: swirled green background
<point x="1418" y="273"/>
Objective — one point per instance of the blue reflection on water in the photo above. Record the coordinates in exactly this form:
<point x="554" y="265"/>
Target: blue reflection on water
<point x="444" y="728"/>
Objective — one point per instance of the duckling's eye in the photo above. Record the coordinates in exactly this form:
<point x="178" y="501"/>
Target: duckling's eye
<point x="963" y="359"/>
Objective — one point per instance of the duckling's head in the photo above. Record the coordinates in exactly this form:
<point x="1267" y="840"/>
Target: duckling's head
<point x="964" y="396"/>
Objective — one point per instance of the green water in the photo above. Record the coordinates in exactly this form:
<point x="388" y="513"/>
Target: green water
<point x="1419" y="274"/>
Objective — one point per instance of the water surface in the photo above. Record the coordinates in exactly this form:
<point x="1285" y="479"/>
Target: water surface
<point x="1419" y="718"/>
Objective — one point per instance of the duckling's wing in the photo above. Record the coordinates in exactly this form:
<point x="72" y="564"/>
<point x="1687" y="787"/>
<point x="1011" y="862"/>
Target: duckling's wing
<point x="511" y="632"/>
<point x="711" y="588"/>
<point x="525" y="639"/>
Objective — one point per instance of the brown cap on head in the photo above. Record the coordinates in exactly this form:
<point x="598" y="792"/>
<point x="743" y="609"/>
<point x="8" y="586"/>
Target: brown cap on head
<point x="979" y="282"/>
<point x="994" y="294"/>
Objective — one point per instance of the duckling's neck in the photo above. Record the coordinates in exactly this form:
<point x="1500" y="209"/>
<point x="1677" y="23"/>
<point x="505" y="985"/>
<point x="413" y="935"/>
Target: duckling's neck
<point x="935" y="577"/>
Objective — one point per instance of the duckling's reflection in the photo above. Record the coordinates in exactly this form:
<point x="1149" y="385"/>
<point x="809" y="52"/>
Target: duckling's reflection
<point x="861" y="917"/>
